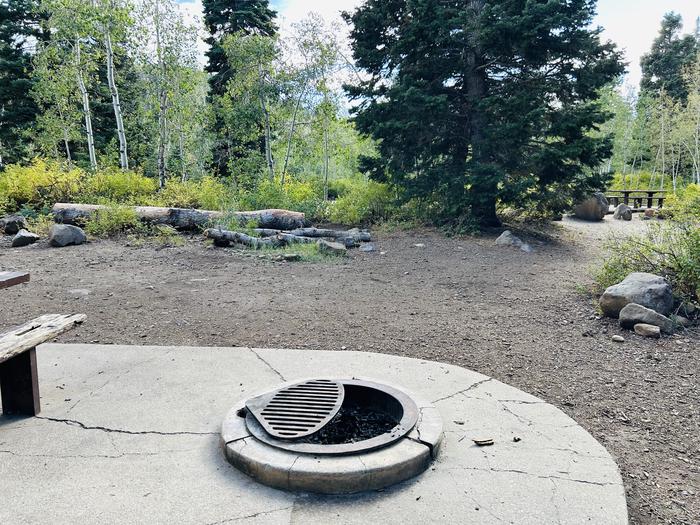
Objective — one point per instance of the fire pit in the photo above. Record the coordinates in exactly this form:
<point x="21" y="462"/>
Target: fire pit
<point x="332" y="436"/>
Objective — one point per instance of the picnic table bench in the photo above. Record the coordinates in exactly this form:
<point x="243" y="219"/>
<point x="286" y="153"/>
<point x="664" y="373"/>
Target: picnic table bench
<point x="19" y="381"/>
<point x="638" y="198"/>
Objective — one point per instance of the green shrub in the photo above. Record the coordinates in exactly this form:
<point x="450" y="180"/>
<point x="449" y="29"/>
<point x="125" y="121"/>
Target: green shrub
<point x="296" y="195"/>
<point x="685" y="205"/>
<point x="114" y="220"/>
<point x="114" y="185"/>
<point x="670" y="249"/>
<point x="206" y="193"/>
<point x="361" y="202"/>
<point x="39" y="185"/>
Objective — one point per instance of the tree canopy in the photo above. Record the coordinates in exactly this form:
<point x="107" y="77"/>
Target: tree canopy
<point x="484" y="101"/>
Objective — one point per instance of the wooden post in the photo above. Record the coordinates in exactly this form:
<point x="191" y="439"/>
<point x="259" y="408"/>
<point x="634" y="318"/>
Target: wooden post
<point x="19" y="384"/>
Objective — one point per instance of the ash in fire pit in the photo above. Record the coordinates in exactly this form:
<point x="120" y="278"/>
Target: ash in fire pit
<point x="332" y="425"/>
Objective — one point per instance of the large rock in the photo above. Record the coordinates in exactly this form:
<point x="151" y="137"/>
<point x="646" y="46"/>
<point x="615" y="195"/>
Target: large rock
<point x="12" y="224"/>
<point x="24" y="238"/>
<point x="594" y="208"/>
<point x="633" y="314"/>
<point x="646" y="289"/>
<point x="334" y="248"/>
<point x="623" y="213"/>
<point x="65" y="235"/>
<point x="508" y="239"/>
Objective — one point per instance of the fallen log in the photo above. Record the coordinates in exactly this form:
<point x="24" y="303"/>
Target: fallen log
<point x="184" y="219"/>
<point x="225" y="237"/>
<point x="356" y="234"/>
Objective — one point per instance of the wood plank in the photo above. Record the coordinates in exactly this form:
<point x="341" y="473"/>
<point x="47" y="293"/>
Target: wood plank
<point x="8" y="279"/>
<point x="35" y="332"/>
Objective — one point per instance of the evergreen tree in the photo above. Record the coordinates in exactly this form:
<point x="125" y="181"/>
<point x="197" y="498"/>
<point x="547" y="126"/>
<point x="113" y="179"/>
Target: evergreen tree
<point x="226" y="17"/>
<point x="223" y="18"/>
<point x="663" y="67"/>
<point x="19" y="31"/>
<point x="480" y="101"/>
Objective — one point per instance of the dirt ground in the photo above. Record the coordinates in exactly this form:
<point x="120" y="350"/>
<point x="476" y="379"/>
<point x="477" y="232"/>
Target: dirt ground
<point x="518" y="317"/>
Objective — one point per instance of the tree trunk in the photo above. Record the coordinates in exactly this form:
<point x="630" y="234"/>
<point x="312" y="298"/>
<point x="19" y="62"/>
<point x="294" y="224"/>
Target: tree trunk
<point x="224" y="237"/>
<point x="485" y="184"/>
<point x="185" y="219"/>
<point x="268" y="128"/>
<point x="121" y="134"/>
<point x="291" y="133"/>
<point x="86" y="108"/>
<point x="162" y="104"/>
<point x="325" y="160"/>
<point x="66" y="144"/>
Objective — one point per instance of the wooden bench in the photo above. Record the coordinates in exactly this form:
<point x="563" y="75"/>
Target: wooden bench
<point x="19" y="382"/>
<point x="8" y="279"/>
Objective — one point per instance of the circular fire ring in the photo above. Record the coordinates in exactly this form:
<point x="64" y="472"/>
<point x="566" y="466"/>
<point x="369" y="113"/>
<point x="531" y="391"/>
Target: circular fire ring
<point x="332" y="436"/>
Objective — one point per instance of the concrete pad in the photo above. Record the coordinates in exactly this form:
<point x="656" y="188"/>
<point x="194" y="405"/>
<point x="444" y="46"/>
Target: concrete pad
<point x="131" y="435"/>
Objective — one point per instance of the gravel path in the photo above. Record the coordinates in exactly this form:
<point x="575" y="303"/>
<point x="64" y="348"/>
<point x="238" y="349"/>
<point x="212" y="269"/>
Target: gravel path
<point x="518" y="317"/>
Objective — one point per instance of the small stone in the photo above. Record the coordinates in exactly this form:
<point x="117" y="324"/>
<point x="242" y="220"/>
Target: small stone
<point x="343" y="347"/>
<point x="633" y="314"/>
<point x="419" y="245"/>
<point x="647" y="330"/>
<point x="333" y="248"/>
<point x="369" y="247"/>
<point x="24" y="238"/>
<point x="618" y="339"/>
<point x="649" y="214"/>
<point x="623" y="213"/>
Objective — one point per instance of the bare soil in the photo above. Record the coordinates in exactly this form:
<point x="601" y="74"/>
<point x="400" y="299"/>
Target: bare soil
<point x="518" y="317"/>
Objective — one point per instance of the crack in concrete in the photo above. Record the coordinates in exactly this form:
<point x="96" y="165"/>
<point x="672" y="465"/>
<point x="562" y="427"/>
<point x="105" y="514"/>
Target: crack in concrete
<point x="250" y="516"/>
<point x="279" y="374"/>
<point x="74" y="423"/>
<point x="551" y="477"/>
<point x="90" y="456"/>
<point x="472" y="387"/>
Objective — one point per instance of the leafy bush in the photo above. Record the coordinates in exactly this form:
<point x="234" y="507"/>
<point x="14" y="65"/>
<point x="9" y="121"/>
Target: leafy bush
<point x="39" y="185"/>
<point x="40" y="224"/>
<point x="114" y="185"/>
<point x="670" y="249"/>
<point x="206" y="193"/>
<point x="685" y="205"/>
<point x="296" y="195"/>
<point x="114" y="220"/>
<point x="360" y="202"/>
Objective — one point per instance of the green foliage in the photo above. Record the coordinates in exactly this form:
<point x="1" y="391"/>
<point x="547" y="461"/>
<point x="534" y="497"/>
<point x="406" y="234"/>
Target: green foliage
<point x="206" y="193"/>
<point x="304" y="196"/>
<point x="40" y="184"/>
<point x="433" y="69"/>
<point x="165" y="236"/>
<point x="360" y="202"/>
<point x="114" y="185"/>
<point x="114" y="220"/>
<point x="685" y="205"/>
<point x="670" y="54"/>
<point x="40" y="224"/>
<point x="670" y="249"/>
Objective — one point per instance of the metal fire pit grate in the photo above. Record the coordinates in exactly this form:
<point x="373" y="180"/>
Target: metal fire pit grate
<point x="293" y="418"/>
<point x="299" y="410"/>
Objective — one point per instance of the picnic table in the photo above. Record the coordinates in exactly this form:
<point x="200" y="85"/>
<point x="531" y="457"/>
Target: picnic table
<point x="637" y="197"/>
<point x="19" y="381"/>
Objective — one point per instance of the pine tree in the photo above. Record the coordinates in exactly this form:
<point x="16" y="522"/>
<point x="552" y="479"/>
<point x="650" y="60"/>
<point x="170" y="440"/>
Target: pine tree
<point x="482" y="101"/>
<point x="19" y="31"/>
<point x="671" y="53"/>
<point x="223" y="18"/>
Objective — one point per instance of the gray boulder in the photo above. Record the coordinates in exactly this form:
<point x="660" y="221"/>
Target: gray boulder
<point x="646" y="289"/>
<point x="594" y="208"/>
<point x="623" y="213"/>
<point x="508" y="239"/>
<point x="24" y="238"/>
<point x="12" y="224"/>
<point x="367" y="248"/>
<point x="633" y="314"/>
<point x="333" y="248"/>
<point x="64" y="235"/>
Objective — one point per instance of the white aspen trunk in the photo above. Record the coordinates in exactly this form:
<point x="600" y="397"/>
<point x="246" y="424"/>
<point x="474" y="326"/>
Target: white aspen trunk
<point x="268" y="130"/>
<point x="291" y="133"/>
<point x="325" y="161"/>
<point x="86" y="108"/>
<point x="162" y="105"/>
<point x="121" y="134"/>
<point x="67" y="145"/>
<point x="183" y="171"/>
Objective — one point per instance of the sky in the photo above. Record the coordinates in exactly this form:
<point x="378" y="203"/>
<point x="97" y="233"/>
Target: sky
<point x="632" y="24"/>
